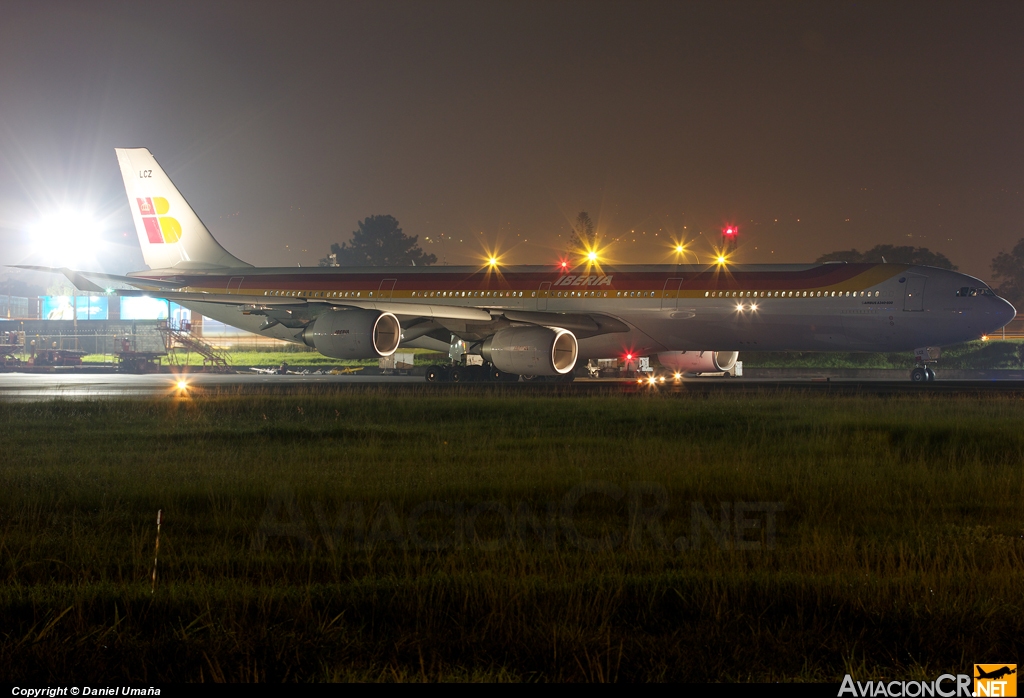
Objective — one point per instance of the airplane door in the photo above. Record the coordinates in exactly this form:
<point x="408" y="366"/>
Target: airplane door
<point x="542" y="295"/>
<point x="387" y="288"/>
<point x="913" y="294"/>
<point x="670" y="295"/>
<point x="235" y="284"/>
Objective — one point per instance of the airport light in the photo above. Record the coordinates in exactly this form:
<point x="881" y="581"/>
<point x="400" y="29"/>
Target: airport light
<point x="492" y="261"/>
<point x="66" y="237"/>
<point x="182" y="385"/>
<point x="721" y="260"/>
<point x="592" y="256"/>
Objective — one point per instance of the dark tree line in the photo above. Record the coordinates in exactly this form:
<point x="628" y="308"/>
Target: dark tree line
<point x="378" y="242"/>
<point x="892" y="254"/>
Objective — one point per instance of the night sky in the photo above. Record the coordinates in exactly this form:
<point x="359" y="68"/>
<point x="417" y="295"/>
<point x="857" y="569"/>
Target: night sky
<point x="814" y="127"/>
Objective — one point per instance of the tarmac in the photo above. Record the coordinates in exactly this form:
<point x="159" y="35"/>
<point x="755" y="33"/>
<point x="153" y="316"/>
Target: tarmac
<point x="70" y="386"/>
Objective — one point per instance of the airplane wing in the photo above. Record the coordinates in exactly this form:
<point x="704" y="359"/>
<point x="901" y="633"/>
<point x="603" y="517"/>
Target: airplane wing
<point x="415" y="310"/>
<point x="583" y="325"/>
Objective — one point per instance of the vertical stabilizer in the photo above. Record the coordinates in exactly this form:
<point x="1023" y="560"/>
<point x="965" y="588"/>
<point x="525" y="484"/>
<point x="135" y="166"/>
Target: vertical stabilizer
<point x="170" y="232"/>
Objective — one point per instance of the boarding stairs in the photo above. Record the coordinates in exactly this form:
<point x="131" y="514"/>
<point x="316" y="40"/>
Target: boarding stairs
<point x="180" y="336"/>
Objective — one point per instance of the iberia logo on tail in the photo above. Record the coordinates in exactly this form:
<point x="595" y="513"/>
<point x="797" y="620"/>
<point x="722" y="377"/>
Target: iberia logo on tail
<point x="160" y="229"/>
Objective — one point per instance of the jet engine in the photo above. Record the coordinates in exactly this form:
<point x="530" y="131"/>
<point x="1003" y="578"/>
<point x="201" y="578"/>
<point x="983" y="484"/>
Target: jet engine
<point x="699" y="361"/>
<point x="352" y="333"/>
<point x="532" y="350"/>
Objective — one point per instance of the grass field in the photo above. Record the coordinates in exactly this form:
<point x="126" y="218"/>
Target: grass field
<point x="503" y="534"/>
<point x="1008" y="354"/>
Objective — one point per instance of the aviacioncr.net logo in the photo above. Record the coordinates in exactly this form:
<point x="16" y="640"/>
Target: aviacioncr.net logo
<point x="946" y="686"/>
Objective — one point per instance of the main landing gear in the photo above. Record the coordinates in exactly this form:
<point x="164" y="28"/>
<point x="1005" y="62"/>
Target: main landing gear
<point x="922" y="373"/>
<point x="469" y="374"/>
<point x="485" y="374"/>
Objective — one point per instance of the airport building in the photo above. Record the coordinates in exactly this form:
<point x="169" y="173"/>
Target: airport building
<point x="60" y="330"/>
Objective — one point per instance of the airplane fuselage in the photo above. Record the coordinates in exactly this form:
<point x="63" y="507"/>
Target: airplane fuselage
<point x="815" y="307"/>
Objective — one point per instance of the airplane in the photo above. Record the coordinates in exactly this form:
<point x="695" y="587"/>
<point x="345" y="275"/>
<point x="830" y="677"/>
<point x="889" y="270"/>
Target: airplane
<point x="502" y="322"/>
<point x="996" y="673"/>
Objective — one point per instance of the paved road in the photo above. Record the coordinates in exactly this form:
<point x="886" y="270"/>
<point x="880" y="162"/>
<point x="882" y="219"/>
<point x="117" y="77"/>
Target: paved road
<point x="24" y="386"/>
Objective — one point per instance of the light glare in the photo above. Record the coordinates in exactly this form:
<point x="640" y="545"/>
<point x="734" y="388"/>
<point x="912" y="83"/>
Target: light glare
<point x="66" y="237"/>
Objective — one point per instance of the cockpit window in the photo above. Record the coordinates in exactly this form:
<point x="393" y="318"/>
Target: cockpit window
<point x="970" y="291"/>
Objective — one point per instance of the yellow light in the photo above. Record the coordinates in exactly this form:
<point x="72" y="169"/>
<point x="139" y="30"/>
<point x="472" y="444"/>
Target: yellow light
<point x="592" y="256"/>
<point x="984" y="338"/>
<point x="640" y="381"/>
<point x="182" y="385"/>
<point x="652" y="380"/>
<point x="721" y="259"/>
<point x="739" y="307"/>
<point x="492" y="261"/>
<point x="677" y="376"/>
<point x="753" y="306"/>
<point x="679" y="249"/>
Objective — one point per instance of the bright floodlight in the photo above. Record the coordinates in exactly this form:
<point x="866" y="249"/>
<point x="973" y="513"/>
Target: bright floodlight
<point x="592" y="256"/>
<point x="182" y="385"/>
<point x="67" y="237"/>
<point x="721" y="259"/>
<point x="679" y="249"/>
<point x="493" y="261"/>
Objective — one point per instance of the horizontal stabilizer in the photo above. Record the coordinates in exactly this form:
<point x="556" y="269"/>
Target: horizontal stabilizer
<point x="96" y="282"/>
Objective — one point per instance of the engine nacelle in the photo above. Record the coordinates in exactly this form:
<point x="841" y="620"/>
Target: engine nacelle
<point x="699" y="361"/>
<point x="532" y="350"/>
<point x="352" y="333"/>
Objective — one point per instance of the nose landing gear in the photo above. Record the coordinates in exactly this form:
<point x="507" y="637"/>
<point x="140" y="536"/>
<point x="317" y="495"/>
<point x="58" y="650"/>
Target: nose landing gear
<point x="920" y="374"/>
<point x="923" y="357"/>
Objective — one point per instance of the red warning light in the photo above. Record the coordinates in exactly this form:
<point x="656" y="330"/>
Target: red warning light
<point x="629" y="357"/>
<point x="730" y="230"/>
<point x="563" y="265"/>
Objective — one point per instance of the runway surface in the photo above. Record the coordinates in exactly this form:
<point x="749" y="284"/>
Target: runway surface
<point x="24" y="386"/>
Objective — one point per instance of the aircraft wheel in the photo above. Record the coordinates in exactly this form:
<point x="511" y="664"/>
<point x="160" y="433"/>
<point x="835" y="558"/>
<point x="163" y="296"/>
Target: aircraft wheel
<point x="434" y="374"/>
<point x="511" y="378"/>
<point x="918" y="375"/>
<point x="495" y="374"/>
<point x="930" y="373"/>
<point x="460" y="375"/>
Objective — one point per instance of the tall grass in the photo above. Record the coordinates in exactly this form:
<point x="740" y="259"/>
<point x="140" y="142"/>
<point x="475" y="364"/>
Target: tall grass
<point x="287" y="552"/>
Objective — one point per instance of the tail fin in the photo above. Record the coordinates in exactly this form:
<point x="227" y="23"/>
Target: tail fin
<point x="170" y="232"/>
